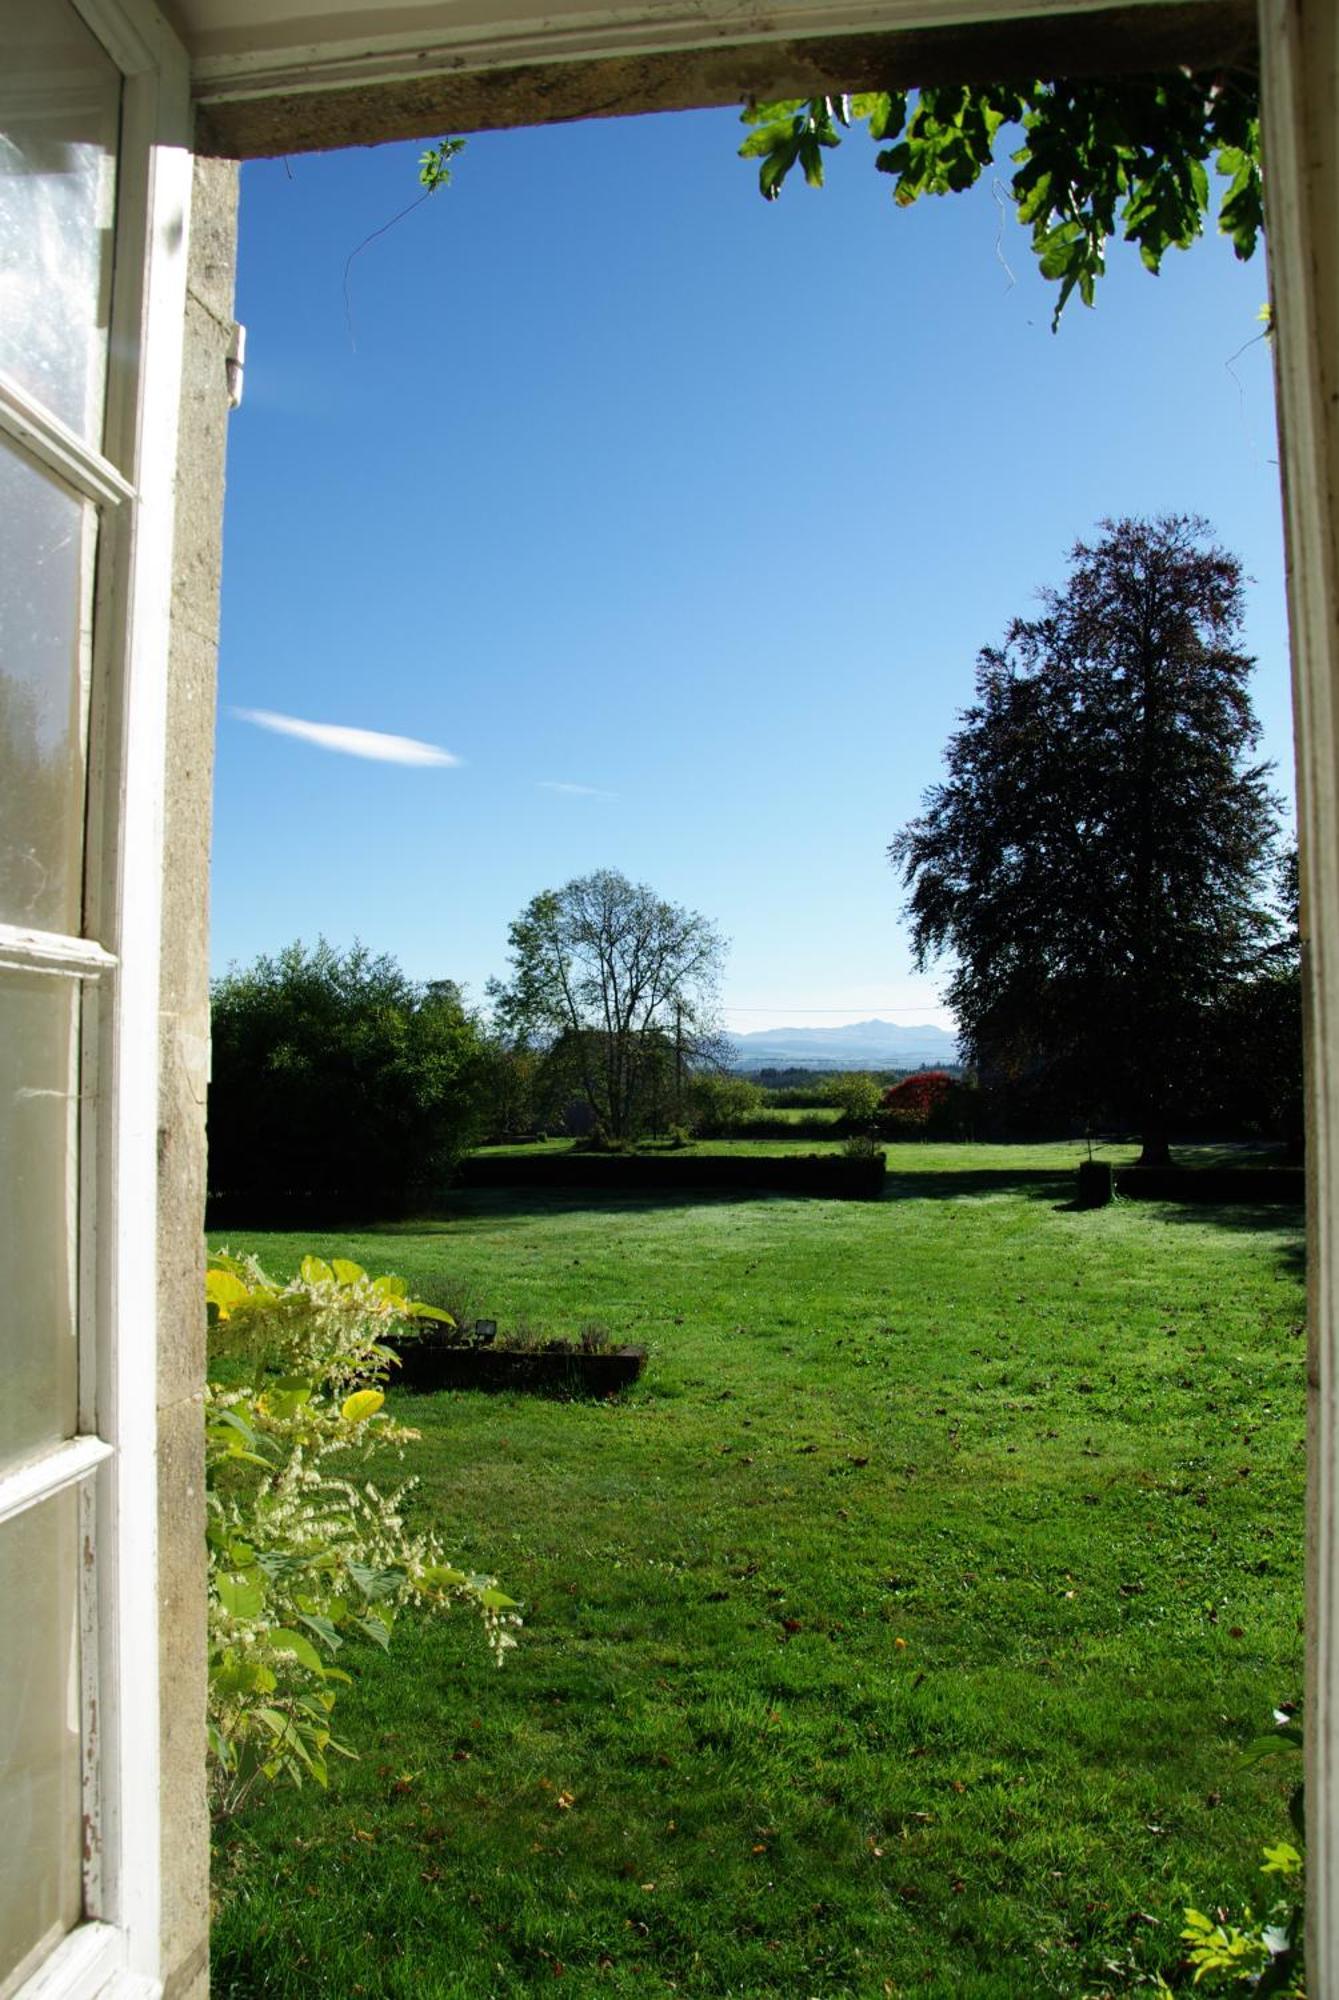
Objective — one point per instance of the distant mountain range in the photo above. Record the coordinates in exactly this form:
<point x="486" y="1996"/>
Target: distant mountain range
<point x="858" y="1045"/>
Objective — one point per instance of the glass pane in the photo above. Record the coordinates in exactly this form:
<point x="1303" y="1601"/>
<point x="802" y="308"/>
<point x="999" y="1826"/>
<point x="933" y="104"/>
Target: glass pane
<point x="46" y="588"/>
<point x="60" y="98"/>
<point x="40" y="1804"/>
<point x="39" y="1123"/>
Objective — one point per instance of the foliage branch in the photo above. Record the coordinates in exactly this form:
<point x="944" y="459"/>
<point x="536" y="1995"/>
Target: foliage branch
<point x="305" y="1552"/>
<point x="1262" y="1951"/>
<point x="1099" y="157"/>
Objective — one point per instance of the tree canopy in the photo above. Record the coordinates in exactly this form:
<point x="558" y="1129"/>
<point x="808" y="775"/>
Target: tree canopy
<point x="338" y="1077"/>
<point x="1097" y="156"/>
<point x="620" y="981"/>
<point x="1095" y="863"/>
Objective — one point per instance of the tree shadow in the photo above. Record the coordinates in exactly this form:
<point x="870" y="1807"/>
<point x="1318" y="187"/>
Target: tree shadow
<point x="514" y="1206"/>
<point x="1248" y="1218"/>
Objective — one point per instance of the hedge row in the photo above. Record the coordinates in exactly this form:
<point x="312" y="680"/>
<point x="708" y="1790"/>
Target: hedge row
<point x="829" y="1174"/>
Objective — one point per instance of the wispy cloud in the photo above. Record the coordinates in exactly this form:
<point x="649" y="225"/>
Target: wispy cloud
<point x="574" y="791"/>
<point x="373" y="744"/>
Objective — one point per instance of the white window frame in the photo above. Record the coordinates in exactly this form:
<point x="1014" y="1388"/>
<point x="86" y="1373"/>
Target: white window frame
<point x="114" y="1954"/>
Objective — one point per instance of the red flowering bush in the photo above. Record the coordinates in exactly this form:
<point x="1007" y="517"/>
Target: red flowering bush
<point x="918" y="1097"/>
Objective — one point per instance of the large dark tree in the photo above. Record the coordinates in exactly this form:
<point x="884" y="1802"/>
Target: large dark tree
<point x="1095" y="861"/>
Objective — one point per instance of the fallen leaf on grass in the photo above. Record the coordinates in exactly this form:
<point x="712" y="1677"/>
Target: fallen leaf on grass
<point x="565" y="1801"/>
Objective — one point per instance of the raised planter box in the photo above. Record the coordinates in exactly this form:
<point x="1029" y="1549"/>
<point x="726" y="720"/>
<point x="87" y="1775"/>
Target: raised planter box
<point x="427" y="1365"/>
<point x="1094" y="1183"/>
<point x="825" y="1174"/>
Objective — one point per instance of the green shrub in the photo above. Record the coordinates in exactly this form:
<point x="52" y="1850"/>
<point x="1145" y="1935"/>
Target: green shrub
<point x="862" y="1146"/>
<point x="340" y="1085"/>
<point x="305" y="1552"/>
<point x="856" y="1095"/>
<point x="715" y="1103"/>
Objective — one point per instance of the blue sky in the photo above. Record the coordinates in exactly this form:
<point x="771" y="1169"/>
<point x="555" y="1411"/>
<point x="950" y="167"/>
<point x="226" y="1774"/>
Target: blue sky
<point x="678" y="519"/>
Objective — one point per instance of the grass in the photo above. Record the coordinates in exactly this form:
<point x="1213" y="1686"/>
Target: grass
<point x="900" y="1633"/>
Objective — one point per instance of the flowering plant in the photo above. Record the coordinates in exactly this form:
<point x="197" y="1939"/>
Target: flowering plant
<point x="305" y="1551"/>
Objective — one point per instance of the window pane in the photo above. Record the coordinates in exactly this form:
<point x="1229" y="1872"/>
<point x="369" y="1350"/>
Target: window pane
<point x="46" y="579"/>
<point x="59" y="104"/>
<point x="40" y="1803"/>
<point x="39" y="1122"/>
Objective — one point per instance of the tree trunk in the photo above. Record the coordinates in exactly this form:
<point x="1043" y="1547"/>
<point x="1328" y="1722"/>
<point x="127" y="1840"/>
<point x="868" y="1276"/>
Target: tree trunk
<point x="1156" y="1152"/>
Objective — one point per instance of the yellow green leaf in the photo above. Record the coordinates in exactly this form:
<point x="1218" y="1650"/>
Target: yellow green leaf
<point x="363" y="1403"/>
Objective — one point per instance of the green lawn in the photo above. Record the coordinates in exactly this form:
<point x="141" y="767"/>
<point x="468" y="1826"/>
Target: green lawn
<point x="900" y="1633"/>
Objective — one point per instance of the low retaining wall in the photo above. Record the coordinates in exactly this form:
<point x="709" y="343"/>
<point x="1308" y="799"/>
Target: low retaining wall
<point x="427" y="1364"/>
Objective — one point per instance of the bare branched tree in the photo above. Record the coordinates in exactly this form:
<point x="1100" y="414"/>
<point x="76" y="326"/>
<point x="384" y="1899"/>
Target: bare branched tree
<point x="625" y="982"/>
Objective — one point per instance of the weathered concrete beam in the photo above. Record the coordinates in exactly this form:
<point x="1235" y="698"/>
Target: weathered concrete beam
<point x="1122" y="40"/>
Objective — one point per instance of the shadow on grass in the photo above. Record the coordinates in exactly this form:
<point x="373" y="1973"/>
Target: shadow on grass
<point x="518" y="1205"/>
<point x="521" y="1204"/>
<point x="515" y="1208"/>
<point x="1250" y="1218"/>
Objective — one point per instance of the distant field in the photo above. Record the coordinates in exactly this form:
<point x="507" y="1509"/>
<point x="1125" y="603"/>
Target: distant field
<point x="900" y="1633"/>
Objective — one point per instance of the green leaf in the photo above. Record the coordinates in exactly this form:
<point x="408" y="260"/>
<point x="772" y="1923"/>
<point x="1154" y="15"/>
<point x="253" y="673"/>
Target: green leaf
<point x="497" y="1600"/>
<point x="1061" y="249"/>
<point x="347" y="1273"/>
<point x="441" y="1576"/>
<point x="374" y="1629"/>
<point x="225" y="1291"/>
<point x="811" y="159"/>
<point x="772" y="112"/>
<point x="361" y="1405"/>
<point x="303" y="1650"/>
<point x="242" y="1595"/>
<point x="323" y="1628"/>
<point x="417" y="1310"/>
<point x="315" y="1271"/>
<point x="772" y="173"/>
<point x="759" y="143"/>
<point x="283" y="1402"/>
